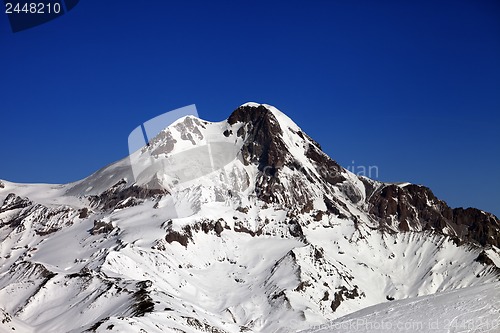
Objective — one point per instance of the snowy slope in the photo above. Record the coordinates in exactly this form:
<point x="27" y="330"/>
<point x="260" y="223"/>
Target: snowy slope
<point x="472" y="309"/>
<point x="240" y="225"/>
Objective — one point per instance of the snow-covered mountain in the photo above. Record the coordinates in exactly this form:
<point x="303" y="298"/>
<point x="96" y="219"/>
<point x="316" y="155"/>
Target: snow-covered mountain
<point x="240" y="225"/>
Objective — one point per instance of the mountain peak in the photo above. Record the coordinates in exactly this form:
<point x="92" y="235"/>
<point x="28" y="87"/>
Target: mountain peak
<point x="262" y="135"/>
<point x="252" y="111"/>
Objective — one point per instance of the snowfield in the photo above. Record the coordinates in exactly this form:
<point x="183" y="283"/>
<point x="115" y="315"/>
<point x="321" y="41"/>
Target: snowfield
<point x="472" y="309"/>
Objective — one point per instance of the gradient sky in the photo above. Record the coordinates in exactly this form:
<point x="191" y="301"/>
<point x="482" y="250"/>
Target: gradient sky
<point x="412" y="87"/>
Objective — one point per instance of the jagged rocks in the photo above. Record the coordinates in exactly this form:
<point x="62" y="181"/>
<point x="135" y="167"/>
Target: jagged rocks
<point x="328" y="169"/>
<point x="5" y="318"/>
<point x="342" y="295"/>
<point x="416" y="208"/>
<point x="42" y="220"/>
<point x="337" y="300"/>
<point x="295" y="229"/>
<point x="175" y="236"/>
<point x="31" y="270"/>
<point x="303" y="285"/>
<point x="12" y="201"/>
<point x="207" y="226"/>
<point x="262" y="133"/>
<point x="120" y="196"/>
<point x="181" y="238"/>
<point x="239" y="227"/>
<point x="201" y="326"/>
<point x="101" y="227"/>
<point x="83" y="213"/>
<point x="484" y="259"/>
<point x="477" y="225"/>
<point x="143" y="303"/>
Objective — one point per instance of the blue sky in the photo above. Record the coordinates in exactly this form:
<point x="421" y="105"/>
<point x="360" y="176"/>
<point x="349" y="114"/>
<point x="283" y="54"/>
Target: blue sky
<point x="412" y="87"/>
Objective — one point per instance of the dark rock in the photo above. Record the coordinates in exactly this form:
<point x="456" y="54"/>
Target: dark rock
<point x="318" y="253"/>
<point x="278" y="295"/>
<point x="243" y="210"/>
<point x="83" y="273"/>
<point x="416" y="208"/>
<point x="47" y="231"/>
<point x="351" y="192"/>
<point x="143" y="303"/>
<point x="344" y="294"/>
<point x="117" y="195"/>
<point x="218" y="228"/>
<point x="484" y="259"/>
<point x="337" y="300"/>
<point x="12" y="201"/>
<point x="181" y="238"/>
<point x="96" y="325"/>
<point x="369" y="186"/>
<point x="303" y="285"/>
<point x="326" y="167"/>
<point x="83" y="213"/>
<point x="238" y="227"/>
<point x="318" y="216"/>
<point x="477" y="225"/>
<point x="263" y="142"/>
<point x="330" y="206"/>
<point x="144" y="284"/>
<point x="101" y="227"/>
<point x="309" y="205"/>
<point x="174" y="236"/>
<point x="208" y="225"/>
<point x="202" y="326"/>
<point x="295" y="229"/>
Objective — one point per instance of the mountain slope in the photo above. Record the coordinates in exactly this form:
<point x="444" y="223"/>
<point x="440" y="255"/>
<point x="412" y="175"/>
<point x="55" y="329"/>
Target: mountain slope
<point x="472" y="309"/>
<point x="241" y="225"/>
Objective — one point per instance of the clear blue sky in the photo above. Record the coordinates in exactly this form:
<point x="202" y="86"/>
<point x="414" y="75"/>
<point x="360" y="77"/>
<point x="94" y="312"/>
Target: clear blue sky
<point x="412" y="87"/>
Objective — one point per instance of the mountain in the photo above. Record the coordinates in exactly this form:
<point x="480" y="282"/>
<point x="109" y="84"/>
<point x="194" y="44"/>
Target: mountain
<point x="243" y="225"/>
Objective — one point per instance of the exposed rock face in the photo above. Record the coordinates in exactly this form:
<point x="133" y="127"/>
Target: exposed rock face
<point x="122" y="195"/>
<point x="342" y="295"/>
<point x="21" y="213"/>
<point x="101" y="227"/>
<point x="477" y="226"/>
<point x="263" y="140"/>
<point x="415" y="208"/>
<point x="329" y="170"/>
<point x="264" y="145"/>
<point x="14" y="202"/>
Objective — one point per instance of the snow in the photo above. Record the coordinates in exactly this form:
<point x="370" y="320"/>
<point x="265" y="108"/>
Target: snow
<point x="254" y="275"/>
<point x="472" y="309"/>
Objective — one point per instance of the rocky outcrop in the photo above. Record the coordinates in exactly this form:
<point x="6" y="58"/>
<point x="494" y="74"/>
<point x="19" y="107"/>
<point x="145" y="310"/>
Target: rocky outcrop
<point x="416" y="208"/>
<point x="263" y="137"/>
<point x="122" y="195"/>
<point x="12" y="202"/>
<point x="22" y="213"/>
<point x="101" y="227"/>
